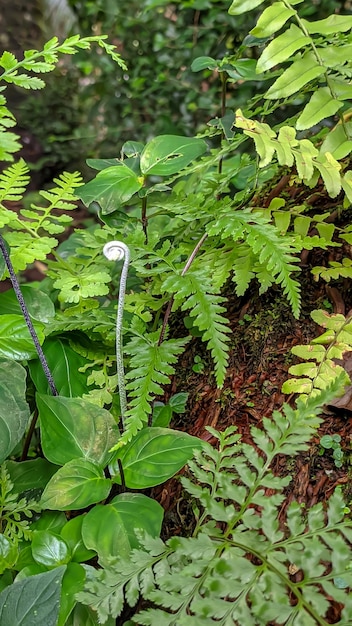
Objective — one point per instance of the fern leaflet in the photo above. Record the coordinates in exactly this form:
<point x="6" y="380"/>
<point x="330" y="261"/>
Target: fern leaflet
<point x="194" y="292"/>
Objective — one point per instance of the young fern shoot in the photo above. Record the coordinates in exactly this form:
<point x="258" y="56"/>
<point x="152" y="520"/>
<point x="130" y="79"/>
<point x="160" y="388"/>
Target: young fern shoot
<point x="116" y="251"/>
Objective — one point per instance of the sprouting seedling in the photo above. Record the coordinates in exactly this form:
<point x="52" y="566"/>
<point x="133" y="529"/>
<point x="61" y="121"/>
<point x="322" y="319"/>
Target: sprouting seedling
<point x="116" y="251"/>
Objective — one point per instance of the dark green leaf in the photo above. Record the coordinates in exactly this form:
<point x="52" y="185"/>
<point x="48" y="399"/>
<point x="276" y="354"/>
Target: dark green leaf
<point x="72" y="428"/>
<point x="204" y="63"/>
<point x="14" y="411"/>
<point x="48" y="549"/>
<point x="32" y="474"/>
<point x="72" y="583"/>
<point x="64" y="364"/>
<point x="168" y="154"/>
<point x="111" y="188"/>
<point x="153" y="456"/>
<point x="34" y="601"/>
<point x="38" y="303"/>
<point x="72" y="534"/>
<point x="15" y="340"/>
<point x="75" y="486"/>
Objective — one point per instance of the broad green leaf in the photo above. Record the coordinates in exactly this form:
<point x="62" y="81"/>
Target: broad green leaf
<point x="110" y="529"/>
<point x="204" y="63"/>
<point x="48" y="549"/>
<point x="132" y="148"/>
<point x="50" y="520"/>
<point x="334" y="56"/>
<point x="14" y="411"/>
<point x="286" y="141"/>
<point x="103" y="164"/>
<point x="242" y="6"/>
<point x="329" y="26"/>
<point x="64" y="364"/>
<point x="111" y="188"/>
<point x="72" y="428"/>
<point x="295" y="77"/>
<point x="320" y="106"/>
<point x="34" y="474"/>
<point x="243" y="69"/>
<point x="304" y="156"/>
<point x="282" y="220"/>
<point x="271" y="20"/>
<point x="72" y="583"/>
<point x="72" y="535"/>
<point x="33" y="601"/>
<point x="162" y="414"/>
<point x="75" y="486"/>
<point x="38" y="303"/>
<point x="282" y="48"/>
<point x="168" y="154"/>
<point x="178" y="402"/>
<point x="15" y="340"/>
<point x="153" y="456"/>
<point x="104" y="532"/>
<point x="302" y="224"/>
<point x="8" y="554"/>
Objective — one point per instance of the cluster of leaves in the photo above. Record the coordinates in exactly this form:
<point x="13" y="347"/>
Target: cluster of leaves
<point x="240" y="566"/>
<point x="320" y="369"/>
<point x="191" y="219"/>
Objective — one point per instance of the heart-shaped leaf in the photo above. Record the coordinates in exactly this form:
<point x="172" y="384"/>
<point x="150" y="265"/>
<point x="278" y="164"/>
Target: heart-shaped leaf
<point x="168" y="154"/>
<point x="88" y="432"/>
<point x="75" y="486"/>
<point x="35" y="600"/>
<point x="111" y="188"/>
<point x="14" y="411"/>
<point x="153" y="456"/>
<point x="111" y="529"/>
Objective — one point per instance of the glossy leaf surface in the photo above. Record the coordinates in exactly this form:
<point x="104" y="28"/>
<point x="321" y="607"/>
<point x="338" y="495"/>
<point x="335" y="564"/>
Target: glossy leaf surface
<point x="75" y="486"/>
<point x="72" y="535"/>
<point x="14" y="411"/>
<point x="15" y="340"/>
<point x="111" y="188"/>
<point x="38" y="303"/>
<point x="48" y="549"/>
<point x="87" y="431"/>
<point x="64" y="364"/>
<point x="153" y="456"/>
<point x="168" y="154"/>
<point x="111" y="529"/>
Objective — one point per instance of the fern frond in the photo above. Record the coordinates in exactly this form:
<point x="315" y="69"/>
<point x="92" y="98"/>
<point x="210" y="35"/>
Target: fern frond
<point x="194" y="292"/>
<point x="239" y="572"/>
<point x="13" y="181"/>
<point x="272" y="250"/>
<point x="150" y="367"/>
<point x="320" y="369"/>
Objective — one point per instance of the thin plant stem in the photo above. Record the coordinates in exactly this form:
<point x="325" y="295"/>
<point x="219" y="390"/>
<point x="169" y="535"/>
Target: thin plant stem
<point x="29" y="435"/>
<point x="25" y="313"/>
<point x="115" y="251"/>
<point x="171" y="301"/>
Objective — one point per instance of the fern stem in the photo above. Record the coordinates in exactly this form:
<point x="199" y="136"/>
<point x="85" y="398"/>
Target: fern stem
<point x="26" y="315"/>
<point x="171" y="301"/>
<point x="115" y="251"/>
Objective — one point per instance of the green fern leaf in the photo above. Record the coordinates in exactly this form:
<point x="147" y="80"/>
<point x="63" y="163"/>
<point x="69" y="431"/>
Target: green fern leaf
<point x="194" y="292"/>
<point x="13" y="181"/>
<point x="150" y="367"/>
<point x="273" y="250"/>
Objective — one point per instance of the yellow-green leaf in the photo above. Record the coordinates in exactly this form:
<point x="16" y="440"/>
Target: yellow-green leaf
<point x="321" y="106"/>
<point x="271" y="20"/>
<point x="282" y="48"/>
<point x="242" y="6"/>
